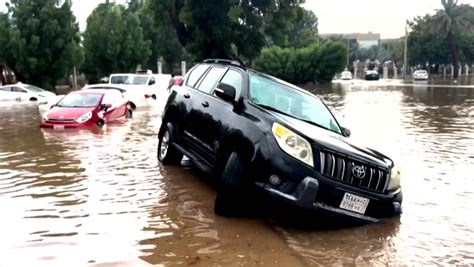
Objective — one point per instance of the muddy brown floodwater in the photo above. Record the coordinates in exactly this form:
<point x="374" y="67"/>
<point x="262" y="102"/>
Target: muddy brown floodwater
<point x="78" y="198"/>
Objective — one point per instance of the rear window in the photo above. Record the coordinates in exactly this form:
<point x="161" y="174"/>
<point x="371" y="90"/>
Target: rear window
<point x="196" y="74"/>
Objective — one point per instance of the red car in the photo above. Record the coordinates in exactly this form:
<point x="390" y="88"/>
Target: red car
<point x="87" y="108"/>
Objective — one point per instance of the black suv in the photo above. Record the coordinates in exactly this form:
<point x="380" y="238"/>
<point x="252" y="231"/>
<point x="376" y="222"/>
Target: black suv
<point x="251" y="130"/>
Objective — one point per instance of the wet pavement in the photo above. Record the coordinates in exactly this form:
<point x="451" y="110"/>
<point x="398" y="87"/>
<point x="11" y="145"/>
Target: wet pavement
<point x="101" y="198"/>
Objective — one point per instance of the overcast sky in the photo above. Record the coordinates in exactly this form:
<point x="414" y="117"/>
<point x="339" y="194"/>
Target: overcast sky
<point x="386" y="17"/>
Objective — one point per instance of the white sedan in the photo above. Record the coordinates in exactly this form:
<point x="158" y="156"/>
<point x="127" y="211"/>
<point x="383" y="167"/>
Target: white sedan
<point x="420" y="75"/>
<point x="24" y="92"/>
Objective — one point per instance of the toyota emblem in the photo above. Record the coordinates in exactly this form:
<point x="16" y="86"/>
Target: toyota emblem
<point x="358" y="172"/>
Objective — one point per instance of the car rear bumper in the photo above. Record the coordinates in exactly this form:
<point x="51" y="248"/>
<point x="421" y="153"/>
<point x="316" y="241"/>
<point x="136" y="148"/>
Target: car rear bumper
<point x="309" y="195"/>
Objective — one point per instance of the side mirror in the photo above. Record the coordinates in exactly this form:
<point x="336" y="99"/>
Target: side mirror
<point x="105" y="106"/>
<point x="346" y="132"/>
<point x="225" y="92"/>
<point x="151" y="82"/>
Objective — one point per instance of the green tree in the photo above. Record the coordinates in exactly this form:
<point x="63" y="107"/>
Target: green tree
<point x="158" y="29"/>
<point x="451" y="21"/>
<point x="305" y="30"/>
<point x="42" y="41"/>
<point x="230" y="28"/>
<point x="4" y="36"/>
<point x="315" y="63"/>
<point x="113" y="42"/>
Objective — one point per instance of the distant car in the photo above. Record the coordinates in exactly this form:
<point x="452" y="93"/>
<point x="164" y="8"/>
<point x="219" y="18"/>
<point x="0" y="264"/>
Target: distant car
<point x="151" y="84"/>
<point x="136" y="95"/>
<point x="46" y="104"/>
<point x="420" y="75"/>
<point x="346" y="75"/>
<point x="24" y="92"/>
<point x="87" y="108"/>
<point x="372" y="75"/>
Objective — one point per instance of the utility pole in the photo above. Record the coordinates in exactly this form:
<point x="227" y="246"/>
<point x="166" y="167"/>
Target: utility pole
<point x="405" y="56"/>
<point x="348" y="52"/>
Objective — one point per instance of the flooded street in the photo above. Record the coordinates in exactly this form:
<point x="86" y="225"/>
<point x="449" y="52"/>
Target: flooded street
<point x="101" y="198"/>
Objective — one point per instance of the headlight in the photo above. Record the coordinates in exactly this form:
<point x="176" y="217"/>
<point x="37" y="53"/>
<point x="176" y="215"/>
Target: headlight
<point x="45" y="116"/>
<point x="84" y="117"/>
<point x="293" y="144"/>
<point x="395" y="179"/>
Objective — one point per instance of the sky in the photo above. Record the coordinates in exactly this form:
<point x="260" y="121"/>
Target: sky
<point x="386" y="17"/>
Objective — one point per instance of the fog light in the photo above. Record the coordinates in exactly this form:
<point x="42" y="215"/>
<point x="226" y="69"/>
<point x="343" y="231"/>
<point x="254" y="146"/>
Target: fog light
<point x="275" y="180"/>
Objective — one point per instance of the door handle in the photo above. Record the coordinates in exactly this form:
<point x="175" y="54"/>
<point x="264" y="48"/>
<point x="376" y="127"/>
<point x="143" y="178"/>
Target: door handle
<point x="186" y="95"/>
<point x="205" y="104"/>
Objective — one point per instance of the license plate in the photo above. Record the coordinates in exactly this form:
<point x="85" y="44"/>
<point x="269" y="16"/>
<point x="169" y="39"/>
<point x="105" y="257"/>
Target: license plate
<point x="354" y="203"/>
<point x="58" y="127"/>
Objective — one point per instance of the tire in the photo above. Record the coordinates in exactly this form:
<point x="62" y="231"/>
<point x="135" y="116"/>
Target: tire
<point x="129" y="114"/>
<point x="230" y="190"/>
<point x="100" y="123"/>
<point x="167" y="153"/>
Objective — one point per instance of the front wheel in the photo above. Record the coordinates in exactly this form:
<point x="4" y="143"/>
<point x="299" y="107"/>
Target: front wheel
<point x="129" y="114"/>
<point x="167" y="153"/>
<point x="230" y="191"/>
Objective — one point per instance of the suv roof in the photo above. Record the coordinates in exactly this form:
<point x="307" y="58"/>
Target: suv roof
<point x="236" y="63"/>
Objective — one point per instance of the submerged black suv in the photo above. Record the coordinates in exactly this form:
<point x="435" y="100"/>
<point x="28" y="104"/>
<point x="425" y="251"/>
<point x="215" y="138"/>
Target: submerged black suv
<point x="248" y="129"/>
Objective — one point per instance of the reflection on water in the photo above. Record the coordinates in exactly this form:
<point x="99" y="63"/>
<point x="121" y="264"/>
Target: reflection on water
<point x="100" y="197"/>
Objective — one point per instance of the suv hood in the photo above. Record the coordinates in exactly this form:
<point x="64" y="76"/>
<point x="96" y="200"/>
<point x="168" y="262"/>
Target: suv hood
<point x="327" y="139"/>
<point x="60" y="113"/>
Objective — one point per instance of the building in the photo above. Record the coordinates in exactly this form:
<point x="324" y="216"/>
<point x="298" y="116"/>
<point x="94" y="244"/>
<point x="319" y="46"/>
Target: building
<point x="364" y="40"/>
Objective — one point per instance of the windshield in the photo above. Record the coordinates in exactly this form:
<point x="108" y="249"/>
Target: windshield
<point x="279" y="97"/>
<point x="33" y="88"/>
<point x="80" y="101"/>
<point x="138" y="80"/>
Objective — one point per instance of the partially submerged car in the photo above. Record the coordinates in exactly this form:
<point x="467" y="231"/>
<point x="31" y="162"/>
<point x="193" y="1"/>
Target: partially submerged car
<point x="420" y="75"/>
<point x="150" y="84"/>
<point x="372" y="75"/>
<point x="251" y="130"/>
<point x="346" y="75"/>
<point x="87" y="108"/>
<point x="24" y="92"/>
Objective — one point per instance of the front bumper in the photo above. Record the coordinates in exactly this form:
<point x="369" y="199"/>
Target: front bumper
<point x="48" y="124"/>
<point x="308" y="195"/>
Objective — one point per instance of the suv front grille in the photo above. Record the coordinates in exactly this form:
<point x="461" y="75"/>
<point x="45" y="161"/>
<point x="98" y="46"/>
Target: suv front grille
<point x="341" y="169"/>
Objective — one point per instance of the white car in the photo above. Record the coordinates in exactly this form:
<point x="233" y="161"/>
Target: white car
<point x="346" y="75"/>
<point x="136" y="95"/>
<point x="46" y="104"/>
<point x="24" y="92"/>
<point x="420" y="75"/>
<point x="152" y="84"/>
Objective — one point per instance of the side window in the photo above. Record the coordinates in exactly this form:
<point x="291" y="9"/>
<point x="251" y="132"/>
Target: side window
<point x="210" y="81"/>
<point x="19" y="90"/>
<point x="6" y="89"/>
<point x="196" y="74"/>
<point x="233" y="78"/>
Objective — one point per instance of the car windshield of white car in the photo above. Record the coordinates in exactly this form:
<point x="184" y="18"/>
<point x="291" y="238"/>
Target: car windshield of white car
<point x="278" y="97"/>
<point x="80" y="100"/>
<point x="32" y="88"/>
<point x="137" y="80"/>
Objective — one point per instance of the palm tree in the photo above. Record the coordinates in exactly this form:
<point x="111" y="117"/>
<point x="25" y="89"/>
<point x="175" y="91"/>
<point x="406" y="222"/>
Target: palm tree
<point x="449" y="22"/>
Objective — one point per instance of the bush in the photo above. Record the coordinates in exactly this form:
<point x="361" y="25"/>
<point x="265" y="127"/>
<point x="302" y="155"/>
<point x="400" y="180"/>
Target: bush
<point x="314" y="63"/>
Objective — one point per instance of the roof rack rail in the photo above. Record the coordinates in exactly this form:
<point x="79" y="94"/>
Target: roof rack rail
<point x="237" y="63"/>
